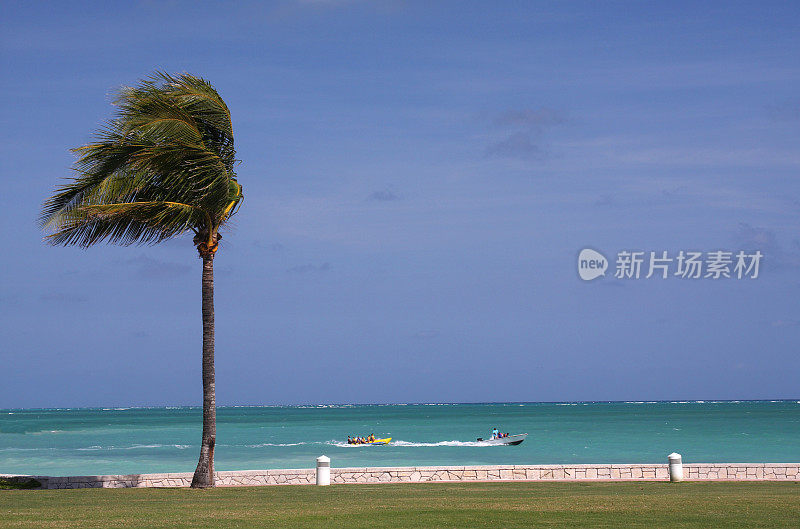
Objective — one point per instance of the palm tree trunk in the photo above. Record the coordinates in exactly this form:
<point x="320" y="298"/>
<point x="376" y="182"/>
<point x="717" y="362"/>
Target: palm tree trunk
<point x="204" y="474"/>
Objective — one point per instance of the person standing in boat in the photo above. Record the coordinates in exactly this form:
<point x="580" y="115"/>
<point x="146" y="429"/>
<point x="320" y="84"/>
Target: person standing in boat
<point x="495" y="432"/>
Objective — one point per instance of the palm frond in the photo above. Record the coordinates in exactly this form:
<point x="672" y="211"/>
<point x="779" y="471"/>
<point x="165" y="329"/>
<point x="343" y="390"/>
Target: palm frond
<point x="171" y="141"/>
<point x="125" y="223"/>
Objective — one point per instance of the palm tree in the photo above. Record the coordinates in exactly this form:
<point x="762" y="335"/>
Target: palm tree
<point x="161" y="168"/>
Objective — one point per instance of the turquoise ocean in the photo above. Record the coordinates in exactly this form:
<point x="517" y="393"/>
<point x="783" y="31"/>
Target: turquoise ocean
<point x="90" y="441"/>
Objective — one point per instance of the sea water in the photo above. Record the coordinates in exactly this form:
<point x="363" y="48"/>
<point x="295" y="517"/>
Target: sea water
<point x="148" y="440"/>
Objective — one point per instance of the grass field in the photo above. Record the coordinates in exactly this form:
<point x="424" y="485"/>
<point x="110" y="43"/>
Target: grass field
<point x="399" y="506"/>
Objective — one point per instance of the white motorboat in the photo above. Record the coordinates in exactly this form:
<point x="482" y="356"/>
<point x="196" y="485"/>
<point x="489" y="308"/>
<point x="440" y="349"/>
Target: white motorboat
<point x="510" y="440"/>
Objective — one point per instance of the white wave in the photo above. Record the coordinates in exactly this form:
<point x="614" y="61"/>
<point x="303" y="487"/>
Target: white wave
<point x="19" y="449"/>
<point x="42" y="432"/>
<point x="440" y="443"/>
<point x="340" y="444"/>
<point x="179" y="447"/>
<point x="262" y="445"/>
<point x="321" y="406"/>
<point x="135" y="447"/>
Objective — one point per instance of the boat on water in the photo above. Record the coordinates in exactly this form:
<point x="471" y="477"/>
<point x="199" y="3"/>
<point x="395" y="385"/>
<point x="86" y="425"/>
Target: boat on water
<point x="507" y="440"/>
<point x="384" y="441"/>
<point x="380" y="441"/>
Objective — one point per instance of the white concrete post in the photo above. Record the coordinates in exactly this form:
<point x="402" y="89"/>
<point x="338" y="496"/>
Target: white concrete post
<point x="323" y="470"/>
<point x="675" y="467"/>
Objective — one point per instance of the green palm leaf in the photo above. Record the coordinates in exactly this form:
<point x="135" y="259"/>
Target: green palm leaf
<point x="170" y="142"/>
<point x="126" y="223"/>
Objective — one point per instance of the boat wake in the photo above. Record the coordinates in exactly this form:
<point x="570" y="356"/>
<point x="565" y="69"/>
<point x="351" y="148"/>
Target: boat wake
<point x="440" y="443"/>
<point x="412" y="444"/>
<point x="341" y="444"/>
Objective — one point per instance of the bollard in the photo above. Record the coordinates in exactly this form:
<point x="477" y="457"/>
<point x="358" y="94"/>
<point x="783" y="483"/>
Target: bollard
<point x="675" y="467"/>
<point x="323" y="470"/>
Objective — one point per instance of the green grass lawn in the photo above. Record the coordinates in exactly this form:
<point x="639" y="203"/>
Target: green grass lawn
<point x="430" y="506"/>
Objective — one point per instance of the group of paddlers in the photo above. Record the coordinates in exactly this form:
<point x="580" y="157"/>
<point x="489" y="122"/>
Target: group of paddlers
<point x="361" y="440"/>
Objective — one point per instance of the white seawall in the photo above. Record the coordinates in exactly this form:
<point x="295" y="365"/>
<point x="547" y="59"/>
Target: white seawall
<point x="600" y="472"/>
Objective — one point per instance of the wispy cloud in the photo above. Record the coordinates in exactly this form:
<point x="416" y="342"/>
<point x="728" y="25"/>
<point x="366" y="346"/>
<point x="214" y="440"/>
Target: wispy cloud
<point x="530" y="118"/>
<point x="309" y="268"/>
<point x="274" y="246"/>
<point x="384" y="195"/>
<point x="751" y="238"/>
<point x="605" y="199"/>
<point x="522" y="132"/>
<point x="517" y="145"/>
<point x="704" y="156"/>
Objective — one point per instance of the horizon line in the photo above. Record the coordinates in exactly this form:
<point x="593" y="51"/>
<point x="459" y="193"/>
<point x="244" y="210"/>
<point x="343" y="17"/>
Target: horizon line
<point x="354" y="404"/>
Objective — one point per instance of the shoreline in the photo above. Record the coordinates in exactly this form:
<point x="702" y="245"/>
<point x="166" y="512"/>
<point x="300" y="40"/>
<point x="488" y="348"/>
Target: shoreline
<point x="441" y="474"/>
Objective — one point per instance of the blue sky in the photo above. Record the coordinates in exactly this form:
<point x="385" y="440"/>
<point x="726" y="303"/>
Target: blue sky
<point x="419" y="180"/>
